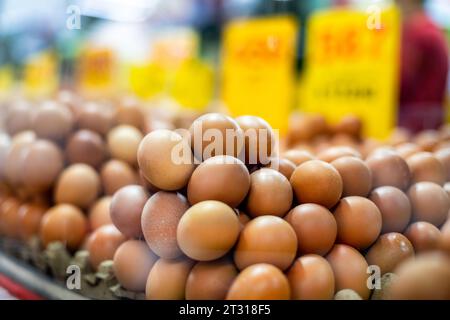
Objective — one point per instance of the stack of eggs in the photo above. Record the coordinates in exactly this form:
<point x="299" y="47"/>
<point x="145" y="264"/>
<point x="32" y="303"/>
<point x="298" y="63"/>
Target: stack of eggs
<point x="223" y="227"/>
<point x="61" y="161"/>
<point x="184" y="220"/>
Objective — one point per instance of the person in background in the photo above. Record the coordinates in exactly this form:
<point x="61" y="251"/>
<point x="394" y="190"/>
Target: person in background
<point x="424" y="69"/>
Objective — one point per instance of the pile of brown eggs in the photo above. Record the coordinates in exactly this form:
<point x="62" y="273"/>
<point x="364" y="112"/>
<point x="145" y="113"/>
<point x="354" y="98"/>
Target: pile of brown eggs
<point x="221" y="227"/>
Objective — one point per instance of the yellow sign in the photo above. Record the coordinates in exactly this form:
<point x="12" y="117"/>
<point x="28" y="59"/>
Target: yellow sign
<point x="174" y="70"/>
<point x="352" y="67"/>
<point x="6" y="80"/>
<point x="97" y="71"/>
<point x="40" y="78"/>
<point x="258" y="68"/>
<point x="148" y="80"/>
<point x="192" y="84"/>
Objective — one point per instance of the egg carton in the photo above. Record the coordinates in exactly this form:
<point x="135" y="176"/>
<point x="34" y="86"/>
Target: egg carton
<point x="57" y="262"/>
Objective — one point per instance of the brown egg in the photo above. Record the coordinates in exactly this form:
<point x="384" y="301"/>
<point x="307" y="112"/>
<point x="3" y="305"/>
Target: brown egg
<point x="350" y="125"/>
<point x="116" y="174"/>
<point x="406" y="150"/>
<point x="159" y="221"/>
<point x="30" y="216"/>
<point x="86" y="146"/>
<point x="368" y="146"/>
<point x="65" y="223"/>
<point x="185" y="118"/>
<point x="18" y="117"/>
<point x="399" y="136"/>
<point x="217" y="126"/>
<point x="311" y="278"/>
<point x="427" y="139"/>
<point x="429" y="203"/>
<point x="42" y="164"/>
<point x="167" y="279"/>
<point x="297" y="157"/>
<point x="443" y="156"/>
<point x="321" y="143"/>
<point x="260" y="281"/>
<point x="344" y="140"/>
<point x="426" y="167"/>
<point x="312" y="178"/>
<point x="78" y="184"/>
<point x="70" y="100"/>
<point x="355" y="174"/>
<point x="315" y="227"/>
<point x="9" y="217"/>
<point x="96" y="117"/>
<point x="221" y="178"/>
<point x="123" y="142"/>
<point x="199" y="226"/>
<point x="394" y="207"/>
<point x="23" y="137"/>
<point x="133" y="261"/>
<point x="284" y="166"/>
<point x="350" y="269"/>
<point x="52" y="121"/>
<point x="334" y="153"/>
<point x="304" y="127"/>
<point x="266" y="239"/>
<point x="358" y="222"/>
<point x="158" y="164"/>
<point x="424" y="236"/>
<point x="210" y="280"/>
<point x="126" y="209"/>
<point x="130" y="113"/>
<point x="99" y="213"/>
<point x="15" y="157"/>
<point x="425" y="277"/>
<point x="103" y="243"/>
<point x="388" y="169"/>
<point x="445" y="237"/>
<point x="153" y="125"/>
<point x="389" y="251"/>
<point x="441" y="146"/>
<point x="259" y="139"/>
<point x="270" y="193"/>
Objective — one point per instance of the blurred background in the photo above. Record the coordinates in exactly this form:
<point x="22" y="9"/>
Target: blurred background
<point x="385" y="61"/>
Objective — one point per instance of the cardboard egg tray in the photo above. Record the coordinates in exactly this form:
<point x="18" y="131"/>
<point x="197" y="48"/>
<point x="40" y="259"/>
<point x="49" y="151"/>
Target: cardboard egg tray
<point x="47" y="271"/>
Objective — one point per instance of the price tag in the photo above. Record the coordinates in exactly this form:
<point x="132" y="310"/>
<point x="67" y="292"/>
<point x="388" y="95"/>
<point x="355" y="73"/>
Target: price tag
<point x="148" y="80"/>
<point x="352" y="67"/>
<point x="97" y="67"/>
<point x="192" y="84"/>
<point x="258" y="68"/>
<point x="40" y="75"/>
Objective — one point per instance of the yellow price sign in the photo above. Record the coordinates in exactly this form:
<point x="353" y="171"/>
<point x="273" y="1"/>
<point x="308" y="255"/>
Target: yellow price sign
<point x="258" y="68"/>
<point x="6" y="79"/>
<point x="40" y="77"/>
<point x="192" y="84"/>
<point x="352" y="67"/>
<point x="147" y="80"/>
<point x="97" y="68"/>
